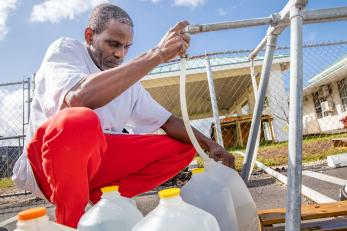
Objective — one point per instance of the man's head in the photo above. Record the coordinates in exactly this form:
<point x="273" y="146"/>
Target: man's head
<point x="109" y="35"/>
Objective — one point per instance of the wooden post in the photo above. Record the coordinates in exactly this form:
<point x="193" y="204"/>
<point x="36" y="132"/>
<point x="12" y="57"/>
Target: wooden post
<point x="239" y="133"/>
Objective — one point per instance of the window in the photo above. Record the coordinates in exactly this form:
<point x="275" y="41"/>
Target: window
<point x="317" y="106"/>
<point x="245" y="108"/>
<point x="342" y="86"/>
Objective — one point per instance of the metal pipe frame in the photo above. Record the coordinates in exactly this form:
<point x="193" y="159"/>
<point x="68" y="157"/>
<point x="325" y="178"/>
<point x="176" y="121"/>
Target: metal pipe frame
<point x="259" y="105"/>
<point x="255" y="90"/>
<point x="310" y="16"/>
<point x="306" y="191"/>
<point x="277" y="21"/>
<point x="213" y="101"/>
<point x="293" y="203"/>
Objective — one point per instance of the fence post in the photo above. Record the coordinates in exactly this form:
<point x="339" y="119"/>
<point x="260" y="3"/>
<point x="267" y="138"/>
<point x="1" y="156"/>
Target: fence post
<point x="255" y="90"/>
<point x="259" y="105"/>
<point x="293" y="203"/>
<point x="29" y="98"/>
<point x="213" y="101"/>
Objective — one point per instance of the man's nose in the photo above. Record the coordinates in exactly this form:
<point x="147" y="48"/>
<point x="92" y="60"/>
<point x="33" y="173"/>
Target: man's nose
<point x="119" y="52"/>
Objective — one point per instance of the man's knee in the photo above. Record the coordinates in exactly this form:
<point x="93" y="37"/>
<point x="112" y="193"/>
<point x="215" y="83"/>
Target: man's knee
<point x="79" y="119"/>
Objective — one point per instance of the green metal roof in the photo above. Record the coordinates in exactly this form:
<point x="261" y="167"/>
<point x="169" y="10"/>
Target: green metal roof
<point x="334" y="67"/>
<point x="200" y="64"/>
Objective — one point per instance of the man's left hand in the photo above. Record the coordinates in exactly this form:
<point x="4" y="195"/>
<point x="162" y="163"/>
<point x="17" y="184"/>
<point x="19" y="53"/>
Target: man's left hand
<point x="218" y="153"/>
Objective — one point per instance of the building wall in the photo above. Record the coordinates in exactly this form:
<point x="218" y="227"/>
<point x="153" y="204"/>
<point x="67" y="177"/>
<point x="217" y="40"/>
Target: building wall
<point x="326" y="123"/>
<point x="278" y="104"/>
<point x="310" y="122"/>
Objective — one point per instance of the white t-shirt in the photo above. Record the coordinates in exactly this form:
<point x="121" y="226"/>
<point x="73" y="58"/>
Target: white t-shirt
<point x="65" y="63"/>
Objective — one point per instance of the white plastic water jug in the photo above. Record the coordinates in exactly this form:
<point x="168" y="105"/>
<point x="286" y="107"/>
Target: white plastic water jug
<point x="173" y="214"/>
<point x="36" y="219"/>
<point x="112" y="213"/>
<point x="245" y="207"/>
<point x="212" y="196"/>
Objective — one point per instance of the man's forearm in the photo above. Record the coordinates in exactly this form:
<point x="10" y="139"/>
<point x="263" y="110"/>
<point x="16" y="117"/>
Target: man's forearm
<point x="174" y="127"/>
<point x="98" y="89"/>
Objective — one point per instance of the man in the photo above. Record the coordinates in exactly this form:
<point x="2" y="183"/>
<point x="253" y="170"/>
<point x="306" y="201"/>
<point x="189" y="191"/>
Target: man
<point x="83" y="97"/>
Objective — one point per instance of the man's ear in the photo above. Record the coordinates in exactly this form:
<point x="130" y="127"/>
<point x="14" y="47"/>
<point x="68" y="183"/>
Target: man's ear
<point x="88" y="35"/>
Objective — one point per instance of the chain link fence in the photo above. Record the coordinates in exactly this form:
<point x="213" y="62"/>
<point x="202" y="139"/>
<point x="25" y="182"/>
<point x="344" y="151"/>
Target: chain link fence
<point x="325" y="107"/>
<point x="15" y="101"/>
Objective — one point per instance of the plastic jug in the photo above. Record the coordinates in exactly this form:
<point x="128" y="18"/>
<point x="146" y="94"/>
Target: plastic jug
<point x="245" y="207"/>
<point x="36" y="219"/>
<point x="113" y="212"/>
<point x="212" y="196"/>
<point x="173" y="214"/>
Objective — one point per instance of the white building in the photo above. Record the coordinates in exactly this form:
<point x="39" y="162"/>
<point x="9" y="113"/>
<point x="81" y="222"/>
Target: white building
<point x="325" y="100"/>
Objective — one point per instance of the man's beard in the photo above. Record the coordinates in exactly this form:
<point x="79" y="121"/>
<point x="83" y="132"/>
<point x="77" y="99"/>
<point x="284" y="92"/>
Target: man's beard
<point x="108" y="64"/>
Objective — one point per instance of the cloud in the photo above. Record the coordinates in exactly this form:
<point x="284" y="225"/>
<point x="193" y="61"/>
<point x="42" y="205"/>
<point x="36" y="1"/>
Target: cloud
<point x="152" y="1"/>
<point x="187" y="3"/>
<point x="55" y="10"/>
<point x="221" y="12"/>
<point x="190" y="3"/>
<point x="11" y="107"/>
<point x="5" y="7"/>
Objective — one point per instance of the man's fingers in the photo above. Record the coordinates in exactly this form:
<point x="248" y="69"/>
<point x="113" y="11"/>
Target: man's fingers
<point x="185" y="37"/>
<point x="179" y="26"/>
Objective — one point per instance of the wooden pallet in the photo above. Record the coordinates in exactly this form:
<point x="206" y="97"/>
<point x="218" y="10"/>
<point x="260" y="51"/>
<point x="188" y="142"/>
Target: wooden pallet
<point x="328" y="213"/>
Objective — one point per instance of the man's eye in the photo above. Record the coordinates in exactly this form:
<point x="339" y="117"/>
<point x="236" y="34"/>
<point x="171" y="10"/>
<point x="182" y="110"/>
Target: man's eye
<point x="114" y="44"/>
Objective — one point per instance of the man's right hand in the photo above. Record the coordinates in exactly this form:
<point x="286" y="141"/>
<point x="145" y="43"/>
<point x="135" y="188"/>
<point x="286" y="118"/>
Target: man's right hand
<point x="174" y="42"/>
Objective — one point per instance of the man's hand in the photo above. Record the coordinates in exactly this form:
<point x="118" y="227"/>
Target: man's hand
<point x="174" y="127"/>
<point x="174" y="42"/>
<point x="218" y="153"/>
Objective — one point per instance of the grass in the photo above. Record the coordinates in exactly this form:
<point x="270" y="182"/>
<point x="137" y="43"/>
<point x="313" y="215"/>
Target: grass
<point x="6" y="182"/>
<point x="314" y="148"/>
<point x="274" y="154"/>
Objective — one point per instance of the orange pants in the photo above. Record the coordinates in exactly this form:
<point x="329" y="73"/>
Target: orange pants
<point x="72" y="159"/>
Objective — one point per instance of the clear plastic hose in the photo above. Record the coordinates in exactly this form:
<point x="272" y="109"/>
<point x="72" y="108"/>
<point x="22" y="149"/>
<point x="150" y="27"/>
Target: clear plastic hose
<point x="184" y="111"/>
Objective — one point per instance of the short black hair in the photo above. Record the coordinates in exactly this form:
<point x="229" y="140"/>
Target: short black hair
<point x="103" y="13"/>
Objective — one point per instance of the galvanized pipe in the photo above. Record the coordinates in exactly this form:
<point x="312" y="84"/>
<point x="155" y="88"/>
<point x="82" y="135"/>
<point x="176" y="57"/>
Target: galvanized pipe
<point x="310" y="17"/>
<point x="293" y="203"/>
<point x="306" y="191"/>
<point x="259" y="105"/>
<point x="255" y="90"/>
<point x="23" y="106"/>
<point x="29" y="99"/>
<point x="323" y="15"/>
<point x="194" y="29"/>
<point x="214" y="103"/>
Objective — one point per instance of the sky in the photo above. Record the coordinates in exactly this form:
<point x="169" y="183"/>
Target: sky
<point x="28" y="27"/>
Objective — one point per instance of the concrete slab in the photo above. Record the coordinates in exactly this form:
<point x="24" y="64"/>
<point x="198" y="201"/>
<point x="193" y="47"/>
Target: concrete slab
<point x="336" y="161"/>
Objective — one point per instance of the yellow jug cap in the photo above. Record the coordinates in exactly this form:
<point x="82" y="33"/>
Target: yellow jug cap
<point x="110" y="189"/>
<point x="32" y="213"/>
<point x="171" y="192"/>
<point x="198" y="170"/>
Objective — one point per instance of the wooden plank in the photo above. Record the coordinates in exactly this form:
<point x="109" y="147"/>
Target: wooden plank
<point x="334" y="224"/>
<point x="340" y="142"/>
<point x="276" y="216"/>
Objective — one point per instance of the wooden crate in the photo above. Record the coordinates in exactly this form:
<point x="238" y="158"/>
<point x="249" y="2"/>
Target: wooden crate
<point x="329" y="215"/>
